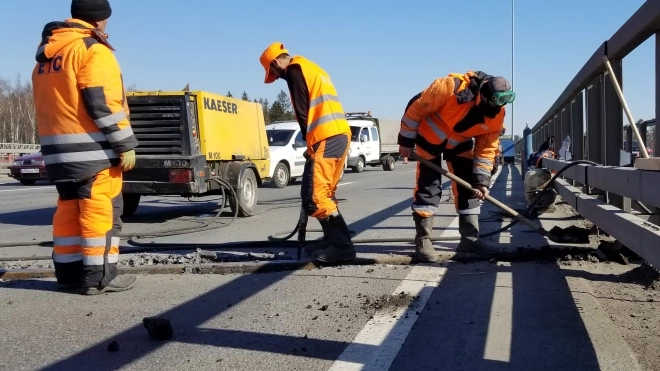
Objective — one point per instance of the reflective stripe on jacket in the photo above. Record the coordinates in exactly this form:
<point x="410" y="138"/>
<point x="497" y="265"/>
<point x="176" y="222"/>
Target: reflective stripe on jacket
<point x="81" y="109"/>
<point x="446" y="114"/>
<point x="326" y="116"/>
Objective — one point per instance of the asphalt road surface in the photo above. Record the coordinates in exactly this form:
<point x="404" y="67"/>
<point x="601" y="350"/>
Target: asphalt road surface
<point x="377" y="204"/>
<point x="449" y="316"/>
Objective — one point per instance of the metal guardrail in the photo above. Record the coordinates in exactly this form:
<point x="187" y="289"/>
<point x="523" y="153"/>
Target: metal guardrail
<point x="18" y="148"/>
<point x="638" y="234"/>
<point x="591" y="100"/>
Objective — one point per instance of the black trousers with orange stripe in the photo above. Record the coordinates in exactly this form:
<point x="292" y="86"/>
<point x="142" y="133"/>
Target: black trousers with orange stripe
<point x="86" y="229"/>
<point x="321" y="175"/>
<point x="428" y="188"/>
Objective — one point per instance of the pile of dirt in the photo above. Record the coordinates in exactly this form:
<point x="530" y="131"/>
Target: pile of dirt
<point x="551" y="255"/>
<point x="41" y="264"/>
<point x="388" y="302"/>
<point x="200" y="257"/>
<point x="644" y="275"/>
<point x="573" y="234"/>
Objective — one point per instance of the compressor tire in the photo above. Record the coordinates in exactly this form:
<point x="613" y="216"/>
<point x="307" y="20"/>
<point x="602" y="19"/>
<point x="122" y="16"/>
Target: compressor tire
<point x="131" y="202"/>
<point x="281" y="175"/>
<point x="247" y="194"/>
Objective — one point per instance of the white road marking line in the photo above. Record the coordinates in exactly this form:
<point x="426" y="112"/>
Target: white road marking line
<point x="509" y="185"/>
<point x="498" y="338"/>
<point x="341" y="184"/>
<point x="27" y="189"/>
<point x="378" y="343"/>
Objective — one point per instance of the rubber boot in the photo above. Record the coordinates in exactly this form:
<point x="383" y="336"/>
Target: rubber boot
<point x="468" y="227"/>
<point x="341" y="247"/>
<point x="325" y="241"/>
<point x="119" y="283"/>
<point x="423" y="246"/>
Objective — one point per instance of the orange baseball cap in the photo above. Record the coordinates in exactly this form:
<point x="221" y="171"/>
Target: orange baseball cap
<point x="269" y="55"/>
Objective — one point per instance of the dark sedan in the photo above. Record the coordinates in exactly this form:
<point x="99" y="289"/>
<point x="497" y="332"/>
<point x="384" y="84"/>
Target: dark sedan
<point x="29" y="169"/>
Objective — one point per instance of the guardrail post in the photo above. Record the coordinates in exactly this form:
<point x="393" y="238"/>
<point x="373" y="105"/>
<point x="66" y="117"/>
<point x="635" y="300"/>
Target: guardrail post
<point x="629" y="142"/>
<point x="595" y="127"/>
<point x="577" y="127"/>
<point x="526" y="148"/>
<point x="595" y="120"/>
<point x="643" y="130"/>
<point x="656" y="132"/>
<point x="614" y="128"/>
<point x="655" y="219"/>
<point x="566" y="127"/>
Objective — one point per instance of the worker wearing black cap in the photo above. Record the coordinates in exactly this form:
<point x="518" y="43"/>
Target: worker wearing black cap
<point x="458" y="118"/>
<point x="87" y="142"/>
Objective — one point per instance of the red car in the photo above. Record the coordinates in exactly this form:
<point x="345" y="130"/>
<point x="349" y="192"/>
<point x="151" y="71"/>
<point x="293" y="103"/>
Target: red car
<point x="29" y="169"/>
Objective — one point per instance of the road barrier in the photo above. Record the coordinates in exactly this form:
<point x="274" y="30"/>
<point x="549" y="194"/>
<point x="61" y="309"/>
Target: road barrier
<point x="613" y="194"/>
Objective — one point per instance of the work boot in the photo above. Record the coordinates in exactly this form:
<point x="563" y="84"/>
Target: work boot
<point x="119" y="283"/>
<point x="468" y="227"/>
<point x="341" y="247"/>
<point x="325" y="241"/>
<point x="423" y="246"/>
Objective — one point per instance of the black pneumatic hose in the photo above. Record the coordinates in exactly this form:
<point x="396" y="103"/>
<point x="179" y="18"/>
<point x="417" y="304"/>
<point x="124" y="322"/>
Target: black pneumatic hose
<point x="273" y="240"/>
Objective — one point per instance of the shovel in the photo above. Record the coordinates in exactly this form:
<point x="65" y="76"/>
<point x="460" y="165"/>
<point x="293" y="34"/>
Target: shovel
<point x="489" y="198"/>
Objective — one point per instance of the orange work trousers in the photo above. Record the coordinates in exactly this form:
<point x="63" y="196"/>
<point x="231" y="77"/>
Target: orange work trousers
<point x="86" y="229"/>
<point x="321" y="175"/>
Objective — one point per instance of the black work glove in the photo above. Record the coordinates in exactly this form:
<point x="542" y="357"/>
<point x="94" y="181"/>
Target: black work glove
<point x="306" y="156"/>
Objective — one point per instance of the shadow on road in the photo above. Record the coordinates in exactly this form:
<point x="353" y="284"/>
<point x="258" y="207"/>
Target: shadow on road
<point x="457" y="330"/>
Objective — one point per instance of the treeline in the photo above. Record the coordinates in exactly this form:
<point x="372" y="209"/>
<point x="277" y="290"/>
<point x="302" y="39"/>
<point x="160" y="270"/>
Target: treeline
<point x="280" y="110"/>
<point x="17" y="121"/>
<point x="17" y="112"/>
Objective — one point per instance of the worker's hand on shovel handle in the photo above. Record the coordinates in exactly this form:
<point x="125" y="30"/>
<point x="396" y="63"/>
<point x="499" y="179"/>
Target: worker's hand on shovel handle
<point x="405" y="152"/>
<point x="481" y="192"/>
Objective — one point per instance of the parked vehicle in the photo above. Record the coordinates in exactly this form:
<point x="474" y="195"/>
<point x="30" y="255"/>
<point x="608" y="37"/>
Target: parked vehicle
<point x="287" y="149"/>
<point x="373" y="141"/>
<point x="28" y="169"/>
<point x="508" y="151"/>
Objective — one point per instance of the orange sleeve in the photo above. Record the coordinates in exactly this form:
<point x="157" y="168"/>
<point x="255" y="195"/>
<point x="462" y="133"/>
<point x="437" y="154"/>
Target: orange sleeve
<point x="102" y="91"/>
<point x="431" y="100"/>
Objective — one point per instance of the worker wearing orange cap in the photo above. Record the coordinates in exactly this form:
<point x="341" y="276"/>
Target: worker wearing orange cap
<point x="323" y="123"/>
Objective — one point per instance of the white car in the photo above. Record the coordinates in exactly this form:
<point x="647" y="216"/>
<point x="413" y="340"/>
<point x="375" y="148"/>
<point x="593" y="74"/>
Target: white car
<point x="287" y="147"/>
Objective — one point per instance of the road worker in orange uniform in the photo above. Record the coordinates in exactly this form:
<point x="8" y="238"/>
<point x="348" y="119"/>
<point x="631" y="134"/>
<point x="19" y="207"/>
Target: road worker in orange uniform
<point x="86" y="141"/>
<point x="459" y="118"/>
<point x="323" y="123"/>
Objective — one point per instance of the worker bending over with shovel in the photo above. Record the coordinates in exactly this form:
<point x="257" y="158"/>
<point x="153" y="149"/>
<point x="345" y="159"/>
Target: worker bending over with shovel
<point x="442" y="121"/>
<point x="87" y="142"/>
<point x="326" y="131"/>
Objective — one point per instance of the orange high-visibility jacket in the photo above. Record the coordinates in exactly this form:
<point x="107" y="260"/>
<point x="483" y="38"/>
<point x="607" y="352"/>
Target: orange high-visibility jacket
<point x="446" y="115"/>
<point x="81" y="109"/>
<point x="325" y="116"/>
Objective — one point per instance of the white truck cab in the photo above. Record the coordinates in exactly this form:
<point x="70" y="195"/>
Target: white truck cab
<point x="373" y="142"/>
<point x="287" y="148"/>
<point x="365" y="145"/>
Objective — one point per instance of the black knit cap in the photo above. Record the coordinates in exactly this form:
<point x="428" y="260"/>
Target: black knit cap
<point x="91" y="10"/>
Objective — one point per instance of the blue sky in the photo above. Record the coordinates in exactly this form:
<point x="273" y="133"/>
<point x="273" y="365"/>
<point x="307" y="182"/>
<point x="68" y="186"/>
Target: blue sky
<point x="378" y="53"/>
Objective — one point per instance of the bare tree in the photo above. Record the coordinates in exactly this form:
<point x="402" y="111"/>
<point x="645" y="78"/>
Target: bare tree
<point x="17" y="121"/>
<point x="17" y="115"/>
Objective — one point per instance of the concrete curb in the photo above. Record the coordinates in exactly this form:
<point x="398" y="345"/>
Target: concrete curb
<point x="544" y="254"/>
<point x="242" y="267"/>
